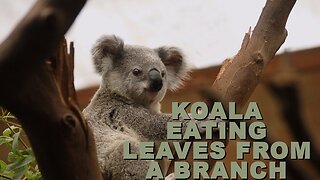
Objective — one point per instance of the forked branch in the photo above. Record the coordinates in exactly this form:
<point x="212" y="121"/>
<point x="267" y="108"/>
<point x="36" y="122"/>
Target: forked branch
<point x="239" y="77"/>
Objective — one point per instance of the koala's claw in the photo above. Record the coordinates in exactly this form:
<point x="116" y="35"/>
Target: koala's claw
<point x="170" y="177"/>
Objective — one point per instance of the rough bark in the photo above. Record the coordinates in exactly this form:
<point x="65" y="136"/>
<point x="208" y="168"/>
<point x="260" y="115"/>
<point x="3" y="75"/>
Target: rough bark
<point x="239" y="76"/>
<point x="39" y="91"/>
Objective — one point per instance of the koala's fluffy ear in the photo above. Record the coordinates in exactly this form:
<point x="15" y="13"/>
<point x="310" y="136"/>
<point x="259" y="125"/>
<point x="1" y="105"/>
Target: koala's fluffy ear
<point x="105" y="50"/>
<point x="177" y="69"/>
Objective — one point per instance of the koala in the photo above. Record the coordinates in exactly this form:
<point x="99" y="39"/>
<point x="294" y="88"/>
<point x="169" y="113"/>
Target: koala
<point x="126" y="107"/>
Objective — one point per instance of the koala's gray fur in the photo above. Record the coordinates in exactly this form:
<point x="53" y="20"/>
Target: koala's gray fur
<point x="126" y="106"/>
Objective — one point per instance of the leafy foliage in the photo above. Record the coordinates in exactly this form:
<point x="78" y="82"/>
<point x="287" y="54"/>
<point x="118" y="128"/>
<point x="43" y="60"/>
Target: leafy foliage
<point x="20" y="162"/>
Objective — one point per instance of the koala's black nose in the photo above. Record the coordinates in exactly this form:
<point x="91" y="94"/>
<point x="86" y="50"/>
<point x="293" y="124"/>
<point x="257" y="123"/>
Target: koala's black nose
<point x="155" y="80"/>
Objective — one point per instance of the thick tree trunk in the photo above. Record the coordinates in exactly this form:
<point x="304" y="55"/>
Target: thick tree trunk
<point x="39" y="91"/>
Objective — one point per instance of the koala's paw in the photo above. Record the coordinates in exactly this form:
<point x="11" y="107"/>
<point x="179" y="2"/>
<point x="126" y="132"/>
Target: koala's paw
<point x="170" y="177"/>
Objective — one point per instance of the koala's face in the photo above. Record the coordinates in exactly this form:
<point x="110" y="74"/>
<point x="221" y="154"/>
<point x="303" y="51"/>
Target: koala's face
<point x="140" y="74"/>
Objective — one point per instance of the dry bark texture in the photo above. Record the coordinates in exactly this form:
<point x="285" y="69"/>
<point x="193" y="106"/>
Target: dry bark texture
<point x="239" y="76"/>
<point x="39" y="90"/>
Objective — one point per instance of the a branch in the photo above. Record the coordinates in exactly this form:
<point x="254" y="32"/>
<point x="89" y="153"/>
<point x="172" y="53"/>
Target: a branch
<point x="39" y="91"/>
<point x="240" y="76"/>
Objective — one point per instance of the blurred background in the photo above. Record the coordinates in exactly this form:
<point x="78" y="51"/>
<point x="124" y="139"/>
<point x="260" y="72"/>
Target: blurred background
<point x="209" y="31"/>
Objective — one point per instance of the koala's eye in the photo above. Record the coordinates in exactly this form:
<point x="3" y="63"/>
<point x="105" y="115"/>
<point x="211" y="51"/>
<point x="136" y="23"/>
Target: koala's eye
<point x="163" y="73"/>
<point x="136" y="71"/>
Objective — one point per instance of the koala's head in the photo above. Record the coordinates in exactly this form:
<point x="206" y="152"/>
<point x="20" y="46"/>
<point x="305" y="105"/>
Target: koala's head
<point x="138" y="73"/>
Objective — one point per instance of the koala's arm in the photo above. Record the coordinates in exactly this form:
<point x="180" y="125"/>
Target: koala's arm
<point x="148" y="123"/>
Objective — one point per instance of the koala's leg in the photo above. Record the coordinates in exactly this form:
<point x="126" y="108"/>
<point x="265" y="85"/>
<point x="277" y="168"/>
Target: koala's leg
<point x="120" y="169"/>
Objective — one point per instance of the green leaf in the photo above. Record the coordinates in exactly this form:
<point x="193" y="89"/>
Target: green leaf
<point x="29" y="150"/>
<point x="12" y="157"/>
<point x="19" y="173"/>
<point x="7" y="132"/>
<point x="33" y="174"/>
<point x="24" y="152"/>
<point x="37" y="176"/>
<point x="29" y="174"/>
<point x="3" y="166"/>
<point x="5" y="139"/>
<point x="20" y="163"/>
<point x="15" y="141"/>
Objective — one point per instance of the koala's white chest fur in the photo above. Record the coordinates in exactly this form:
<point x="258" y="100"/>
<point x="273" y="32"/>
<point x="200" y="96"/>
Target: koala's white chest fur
<point x="156" y="107"/>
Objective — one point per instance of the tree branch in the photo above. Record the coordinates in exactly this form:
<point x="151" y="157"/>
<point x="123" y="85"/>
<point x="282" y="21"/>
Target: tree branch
<point x="240" y="76"/>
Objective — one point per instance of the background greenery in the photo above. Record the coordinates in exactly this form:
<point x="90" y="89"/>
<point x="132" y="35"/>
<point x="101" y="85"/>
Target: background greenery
<point x="20" y="162"/>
